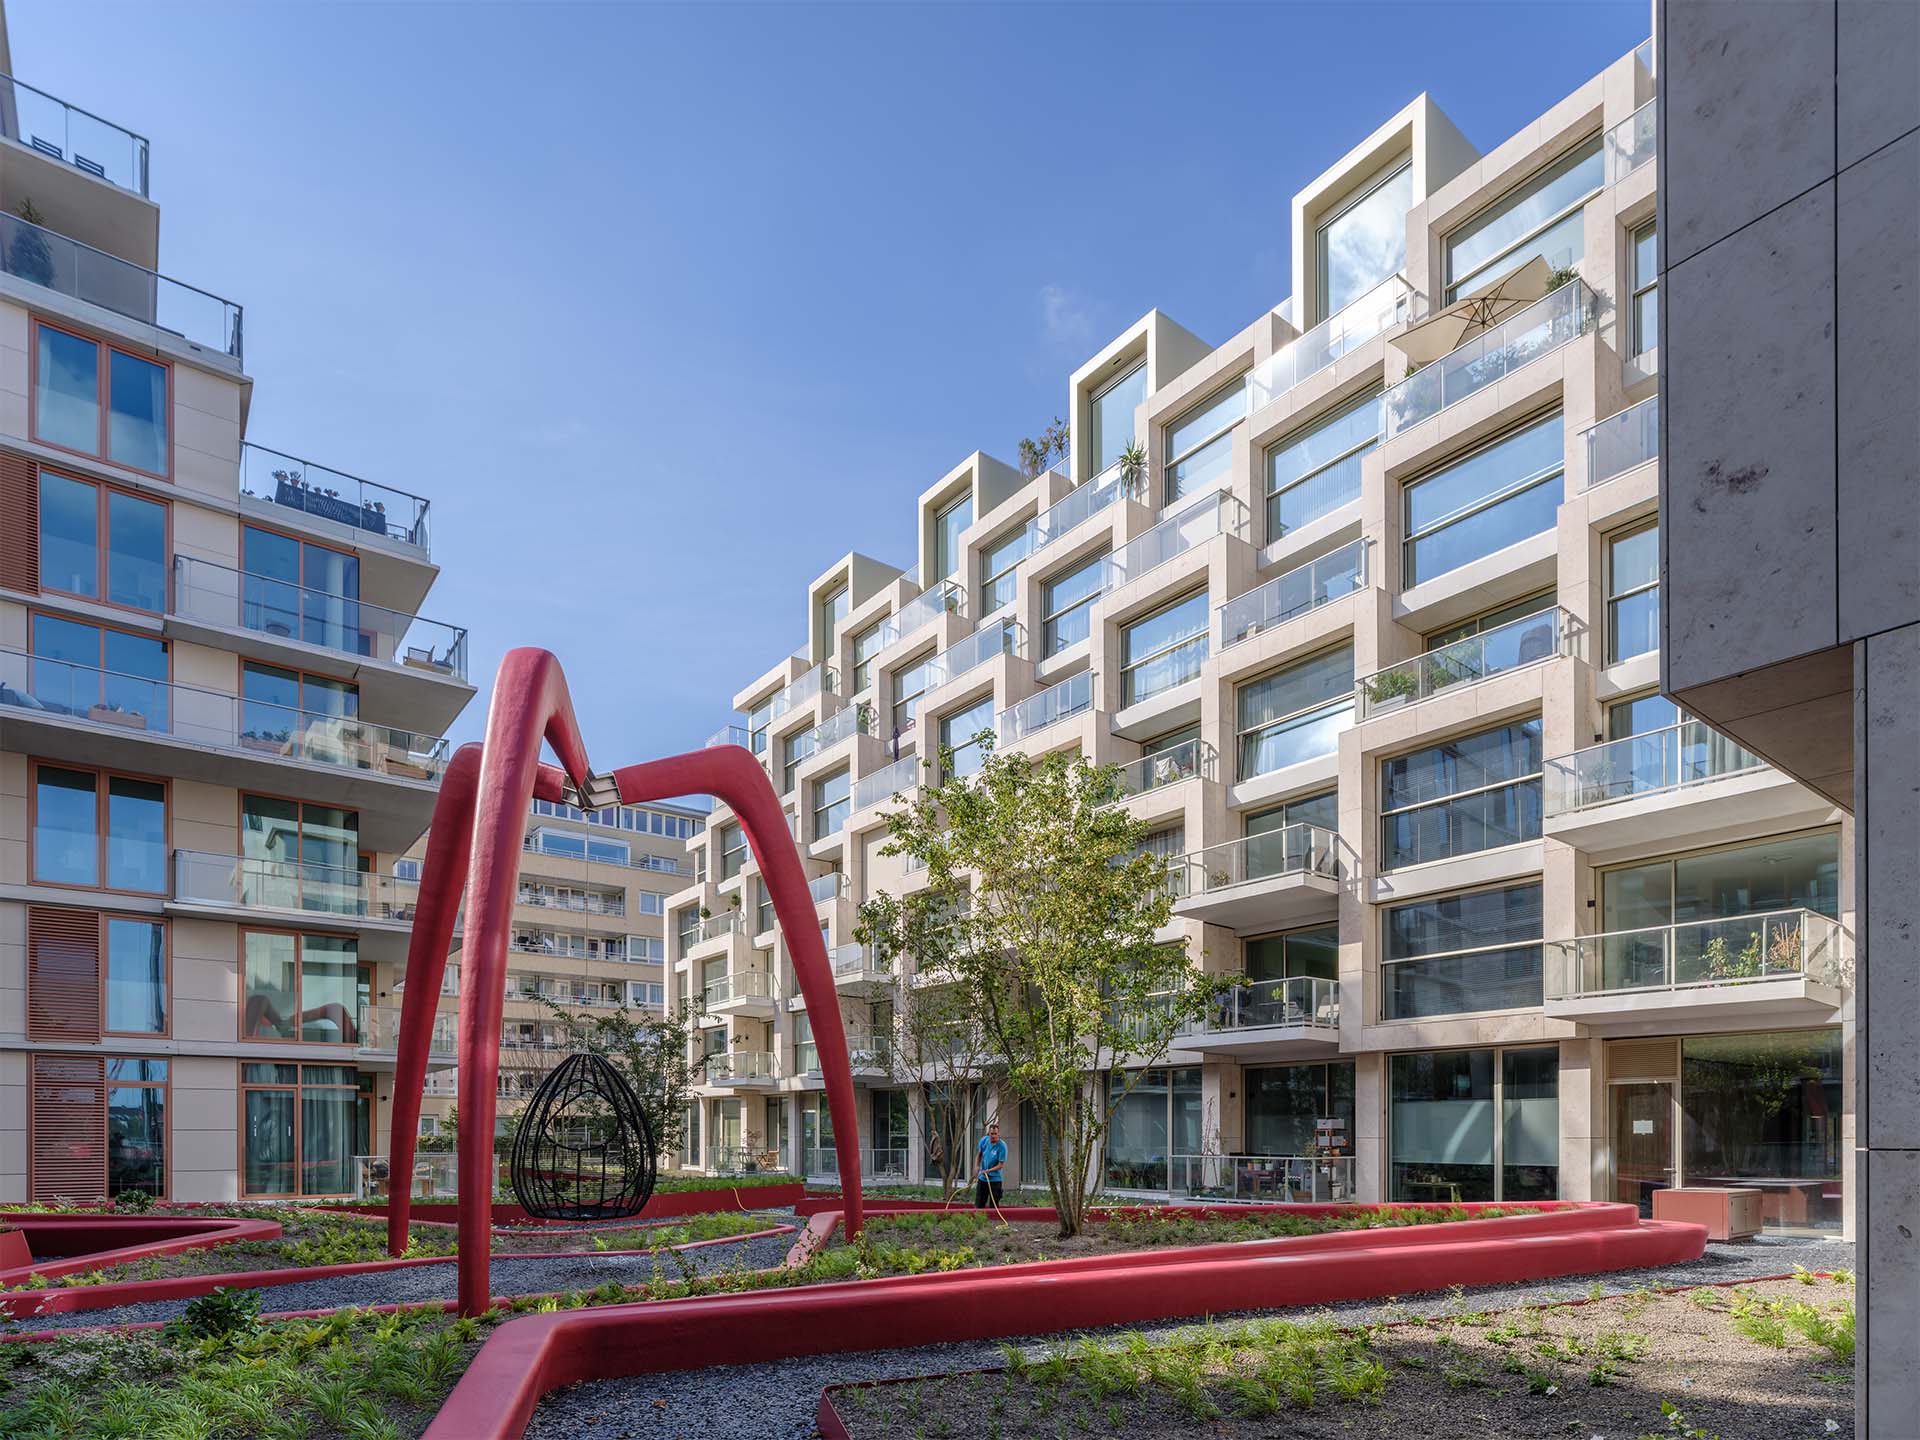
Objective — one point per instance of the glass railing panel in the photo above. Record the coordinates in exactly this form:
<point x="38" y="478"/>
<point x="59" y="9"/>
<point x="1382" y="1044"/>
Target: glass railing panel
<point x="728" y="735"/>
<point x="1304" y="588"/>
<point x="712" y="927"/>
<point x="1731" y="950"/>
<point x="1291" y="850"/>
<point x="1541" y="328"/>
<point x="902" y="776"/>
<point x="105" y="697"/>
<point x="826" y="887"/>
<point x="218" y="595"/>
<point x="1685" y="754"/>
<point x="1078" y="506"/>
<point x="996" y="637"/>
<point x="1190" y="759"/>
<point x="1297" y="1000"/>
<point x="860" y="960"/>
<point x="295" y="484"/>
<point x="1070" y="697"/>
<point x="1512" y="646"/>
<point x="379" y="1029"/>
<point x="66" y="132"/>
<point x="887" y="1165"/>
<point x="741" y="1065"/>
<point x="45" y="257"/>
<point x="1172" y="537"/>
<point x="1381" y="308"/>
<point x="946" y="598"/>
<point x="841" y="725"/>
<point x="742" y="985"/>
<point x="1262" y="1179"/>
<point x="1622" y="441"/>
<point x="817" y="681"/>
<point x="1632" y="143"/>
<point x="1308" y="500"/>
<point x="1165" y="672"/>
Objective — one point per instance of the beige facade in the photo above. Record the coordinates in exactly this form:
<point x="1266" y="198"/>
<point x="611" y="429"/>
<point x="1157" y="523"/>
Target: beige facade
<point x="1377" y="645"/>
<point x="220" y="712"/>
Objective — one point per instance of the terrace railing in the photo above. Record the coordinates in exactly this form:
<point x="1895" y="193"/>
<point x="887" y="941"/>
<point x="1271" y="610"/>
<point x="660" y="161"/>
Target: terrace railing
<point x="66" y="132"/>
<point x="1274" y="1179"/>
<point x="1306" y="1001"/>
<point x="1381" y="308"/>
<point x="1299" y="849"/>
<point x="1739" y="950"/>
<point x="1528" y="640"/>
<point x="880" y="786"/>
<point x="1188" y="760"/>
<point x="1632" y="143"/>
<point x="1675" y="758"/>
<point x="295" y="484"/>
<point x="1623" y="441"/>
<point x="1288" y="596"/>
<point x="1072" y="696"/>
<point x="1538" y="330"/>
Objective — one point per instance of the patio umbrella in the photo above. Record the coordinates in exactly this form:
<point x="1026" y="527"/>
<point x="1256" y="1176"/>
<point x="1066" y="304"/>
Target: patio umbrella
<point x="1470" y="315"/>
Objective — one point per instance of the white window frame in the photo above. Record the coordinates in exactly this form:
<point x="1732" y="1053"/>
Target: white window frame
<point x="1513" y="488"/>
<point x="1615" y="597"/>
<point x="1049" y="617"/>
<point x="1129" y="666"/>
<point x="1173" y="462"/>
<point x="1389" y="813"/>
<point x="1492" y="262"/>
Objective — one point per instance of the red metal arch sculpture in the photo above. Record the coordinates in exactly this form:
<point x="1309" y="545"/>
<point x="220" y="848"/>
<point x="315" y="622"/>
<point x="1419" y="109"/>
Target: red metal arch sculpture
<point x="478" y="824"/>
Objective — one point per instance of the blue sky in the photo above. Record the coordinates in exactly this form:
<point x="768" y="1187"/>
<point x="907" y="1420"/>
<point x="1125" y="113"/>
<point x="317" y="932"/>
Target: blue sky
<point x="666" y="308"/>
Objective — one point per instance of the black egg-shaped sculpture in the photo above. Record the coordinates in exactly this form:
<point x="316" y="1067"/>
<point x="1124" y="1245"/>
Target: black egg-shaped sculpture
<point x="584" y="1150"/>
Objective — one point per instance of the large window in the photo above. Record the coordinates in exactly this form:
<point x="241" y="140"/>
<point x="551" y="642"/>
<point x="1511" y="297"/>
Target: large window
<point x="1112" y="418"/>
<point x="1000" y="571"/>
<point x="1165" y="649"/>
<point x="309" y="855"/>
<point x="304" y="591"/>
<point x="758" y="719"/>
<point x="307" y="988"/>
<point x="1159" y="1117"/>
<point x="866" y="645"/>
<point x="97" y="673"/>
<point x="1645" y="325"/>
<point x="1474" y="793"/>
<point x="1365" y="243"/>
<point x="960" y="733"/>
<point x="100" y="401"/>
<point x="96" y="829"/>
<point x="1295" y="714"/>
<point x="1545" y="216"/>
<point x="1476" y="1125"/>
<point x="1495" y="497"/>
<point x="301" y="1126"/>
<point x="795" y="749"/>
<point x="102" y="544"/>
<point x="1322" y="810"/>
<point x="1641" y="715"/>
<point x="1317" y="471"/>
<point x="1633" y="593"/>
<point x="1199" y="449"/>
<point x="1766" y="1112"/>
<point x="833" y="609"/>
<point x="136" y="1126"/>
<point x="909" y="684"/>
<point x="1066" y="605"/>
<point x="136" y="976"/>
<point x="831" y="802"/>
<point x="733" y="849"/>
<point x="947" y="527"/>
<point x="1462" y="953"/>
<point x="1285" y="1102"/>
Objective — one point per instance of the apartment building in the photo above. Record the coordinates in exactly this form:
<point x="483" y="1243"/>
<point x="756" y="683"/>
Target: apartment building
<point x="220" y="722"/>
<point x="589" y="934"/>
<point x="1373" y="636"/>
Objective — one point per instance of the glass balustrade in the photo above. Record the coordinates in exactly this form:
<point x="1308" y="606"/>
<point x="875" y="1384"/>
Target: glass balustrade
<point x="1188" y="760"/>
<point x="250" y="883"/>
<point x="1302" y="589"/>
<point x="1291" y="850"/>
<point x="1297" y="1000"/>
<point x="1732" y="951"/>
<point x="818" y="681"/>
<point x="61" y="131"/>
<point x="899" y="778"/>
<point x="1632" y="143"/>
<point x="946" y="598"/>
<point x="1538" y="330"/>
<point x="1512" y="646"/>
<point x="1381" y="308"/>
<point x="997" y="637"/>
<point x="1624" y="440"/>
<point x="1172" y="537"/>
<point x="361" y="505"/>
<point x="1070" y="697"/>
<point x="728" y="735"/>
<point x="742" y="1066"/>
<point x="1689" y="753"/>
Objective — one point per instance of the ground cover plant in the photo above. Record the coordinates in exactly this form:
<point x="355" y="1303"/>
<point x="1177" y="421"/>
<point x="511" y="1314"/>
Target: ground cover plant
<point x="1768" y="1361"/>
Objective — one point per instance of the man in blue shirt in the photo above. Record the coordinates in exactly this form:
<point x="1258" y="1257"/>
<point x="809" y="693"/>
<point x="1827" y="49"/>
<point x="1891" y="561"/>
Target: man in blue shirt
<point x="991" y="1169"/>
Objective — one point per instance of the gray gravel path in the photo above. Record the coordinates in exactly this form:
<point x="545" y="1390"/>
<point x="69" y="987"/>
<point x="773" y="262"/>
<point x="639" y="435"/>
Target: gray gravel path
<point x="416" y="1283"/>
<point x="777" y="1401"/>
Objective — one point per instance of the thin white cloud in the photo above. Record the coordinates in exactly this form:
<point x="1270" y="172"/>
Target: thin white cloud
<point x="1065" y="318"/>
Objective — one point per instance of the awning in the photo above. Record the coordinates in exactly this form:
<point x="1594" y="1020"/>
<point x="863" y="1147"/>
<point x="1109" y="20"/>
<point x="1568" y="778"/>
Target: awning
<point x="1473" y="314"/>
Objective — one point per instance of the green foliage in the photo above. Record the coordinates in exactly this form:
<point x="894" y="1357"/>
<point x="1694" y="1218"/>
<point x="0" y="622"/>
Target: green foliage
<point x="653" y="1052"/>
<point x="133" y="1202"/>
<point x="1054" y="441"/>
<point x="224" y="1313"/>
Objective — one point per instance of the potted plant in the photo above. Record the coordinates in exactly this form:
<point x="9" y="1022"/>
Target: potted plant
<point x="1390" y="688"/>
<point x="29" y="256"/>
<point x="1133" y="467"/>
<point x="863" y="717"/>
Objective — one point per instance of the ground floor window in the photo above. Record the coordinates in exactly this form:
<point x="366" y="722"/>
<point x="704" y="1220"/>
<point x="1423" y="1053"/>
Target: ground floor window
<point x="1155" y="1120"/>
<point x="816" y="1134"/>
<point x="956" y="1119"/>
<point x="301" y="1125"/>
<point x="690" y="1138"/>
<point x="891" y="1132"/>
<point x="137" y="1127"/>
<point x="1476" y="1125"/>
<point x="1758" y="1111"/>
<point x="1286" y="1103"/>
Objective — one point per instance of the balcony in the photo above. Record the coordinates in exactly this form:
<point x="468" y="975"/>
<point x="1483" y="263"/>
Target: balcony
<point x="995" y="638"/>
<point x="1078" y="506"/>
<point x="867" y="1054"/>
<point x="829" y="886"/>
<point x="1379" y="310"/>
<point x="1287" y="597"/>
<point x="858" y="971"/>
<point x="743" y="992"/>
<point x="47" y="258"/>
<point x="818" y="681"/>
<point x="1515" y="645"/>
<point x="1171" y="538"/>
<point x="728" y="735"/>
<point x="742" y="1067"/>
<point x="1623" y="441"/>
<point x="715" y="927"/>
<point x="884" y="1167"/>
<point x="1632" y="143"/>
<point x="1538" y="330"/>
<point x="1269" y="1018"/>
<point x="1262" y="1179"/>
<point x="945" y="598"/>
<point x="544" y="845"/>
<point x="1072" y="696"/>
<point x="1276" y="877"/>
<point x="1189" y="760"/>
<point x="1781" y="967"/>
<point x="842" y="725"/>
<point x="900" y="778"/>
<point x="65" y="132"/>
<point x="378" y="1038"/>
<point x="360" y="506"/>
<point x="589" y="904"/>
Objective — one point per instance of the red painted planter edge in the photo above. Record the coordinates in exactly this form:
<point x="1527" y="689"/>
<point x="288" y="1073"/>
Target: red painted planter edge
<point x="195" y="1234"/>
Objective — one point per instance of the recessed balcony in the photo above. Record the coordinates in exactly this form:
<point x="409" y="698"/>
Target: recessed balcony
<point x="900" y="779"/>
<point x="1632" y="143"/>
<point x="1388" y="304"/>
<point x="1194" y="525"/>
<point x="753" y="1069"/>
<point x="1194" y="759"/>
<point x="377" y="1039"/>
<point x="741" y="992"/>
<point x="713" y="931"/>
<point x="1274" y="878"/>
<point x="818" y="681"/>
<point x="352" y="508"/>
<point x="1040" y="711"/>
<point x="858" y="971"/>
<point x="1625" y="440"/>
<point x="1258" y="1019"/>
<point x="869" y="1056"/>
<point x="943" y="598"/>
<point x="1784" y="967"/>
<point x="1538" y="330"/>
<point x="1299" y="591"/>
<point x="1529" y="640"/>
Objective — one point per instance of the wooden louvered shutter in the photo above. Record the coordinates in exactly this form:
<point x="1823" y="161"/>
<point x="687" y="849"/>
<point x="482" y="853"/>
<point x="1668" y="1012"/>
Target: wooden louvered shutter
<point x="63" y="974"/>
<point x="20" y="535"/>
<point x="1641" y="1060"/>
<point x="69" y="1128"/>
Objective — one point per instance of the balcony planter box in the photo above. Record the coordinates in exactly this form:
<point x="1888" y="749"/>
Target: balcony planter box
<point x="412" y="769"/>
<point x="423" y="660"/>
<point x="1728" y="1213"/>
<point x="132" y="720"/>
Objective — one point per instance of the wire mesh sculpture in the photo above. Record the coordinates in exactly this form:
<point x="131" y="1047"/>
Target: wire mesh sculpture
<point x="584" y="1150"/>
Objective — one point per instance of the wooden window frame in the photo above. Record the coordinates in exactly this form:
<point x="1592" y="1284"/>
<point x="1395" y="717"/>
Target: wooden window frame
<point x="103" y="395"/>
<point x="296" y="1088"/>
<point x="102" y="538"/>
<point x="100" y="833"/>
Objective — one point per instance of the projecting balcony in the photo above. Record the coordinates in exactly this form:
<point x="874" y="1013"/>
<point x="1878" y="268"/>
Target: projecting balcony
<point x="1779" y="968"/>
<point x="1299" y="591"/>
<point x="1072" y="696"/>
<point x="63" y="711"/>
<point x="1199" y="522"/>
<point x="743" y="992"/>
<point x="943" y="598"/>
<point x="830" y="886"/>
<point x="869" y="1056"/>
<point x="884" y="1167"/>
<point x="1632" y="143"/>
<point x="560" y="845"/>
<point x="1274" y="878"/>
<point x="377" y="1038"/>
<point x="989" y="642"/>
<point x="377" y="908"/>
<point x="1374" y="313"/>
<point x="1530" y="640"/>
<point x="589" y="903"/>
<point x="858" y="971"/>
<point x="1623" y="441"/>
<point x="1261" y="1019"/>
<point x="1540" y="329"/>
<point x="352" y="508"/>
<point x="1665" y="786"/>
<point x="838" y="727"/>
<point x="47" y="259"/>
<point x="1189" y="760"/>
<point x="709" y="935"/>
<point x="50" y="126"/>
<point x="751" y="1068"/>
<point x="390" y="652"/>
<point x="897" y="781"/>
<point x="1080" y="505"/>
<point x="818" y="681"/>
<point x="728" y="735"/>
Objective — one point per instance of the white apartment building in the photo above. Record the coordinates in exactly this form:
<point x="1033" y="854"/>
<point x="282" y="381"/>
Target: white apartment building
<point x="1375" y="638"/>
<point x="220" y="722"/>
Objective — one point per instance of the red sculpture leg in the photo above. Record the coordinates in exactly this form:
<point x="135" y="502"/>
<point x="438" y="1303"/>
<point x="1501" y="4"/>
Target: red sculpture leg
<point x="443" y="876"/>
<point x="530" y="702"/>
<point x="732" y="775"/>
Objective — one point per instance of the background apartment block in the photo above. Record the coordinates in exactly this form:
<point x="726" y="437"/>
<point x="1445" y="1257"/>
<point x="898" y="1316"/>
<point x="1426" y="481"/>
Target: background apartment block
<point x="1376" y="643"/>
<point x="220" y="714"/>
<point x="589" y="934"/>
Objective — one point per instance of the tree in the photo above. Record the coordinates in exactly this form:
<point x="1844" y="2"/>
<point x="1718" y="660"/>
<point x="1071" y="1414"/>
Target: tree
<point x="652" y="1052"/>
<point x="1039" y="912"/>
<point x="939" y="1048"/>
<point x="1053" y="442"/>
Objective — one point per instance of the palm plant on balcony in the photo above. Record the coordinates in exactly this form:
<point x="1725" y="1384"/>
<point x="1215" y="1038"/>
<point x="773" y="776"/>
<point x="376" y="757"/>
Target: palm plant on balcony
<point x="1133" y="467"/>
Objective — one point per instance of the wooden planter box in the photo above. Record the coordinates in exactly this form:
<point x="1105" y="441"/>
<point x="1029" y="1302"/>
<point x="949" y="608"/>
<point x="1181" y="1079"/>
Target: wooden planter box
<point x="1728" y="1213"/>
<point x="130" y="719"/>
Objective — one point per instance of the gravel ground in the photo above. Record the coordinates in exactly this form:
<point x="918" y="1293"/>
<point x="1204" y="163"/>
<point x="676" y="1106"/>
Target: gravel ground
<point x="416" y="1283"/>
<point x="777" y="1401"/>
